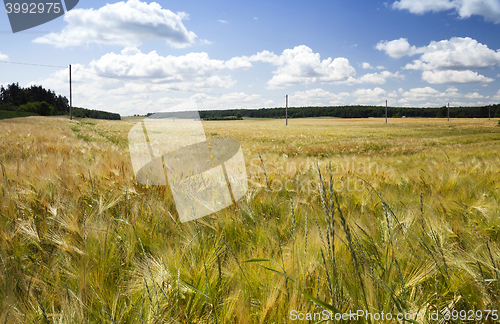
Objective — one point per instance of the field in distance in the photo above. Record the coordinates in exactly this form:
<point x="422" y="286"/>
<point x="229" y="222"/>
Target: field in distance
<point x="343" y="215"/>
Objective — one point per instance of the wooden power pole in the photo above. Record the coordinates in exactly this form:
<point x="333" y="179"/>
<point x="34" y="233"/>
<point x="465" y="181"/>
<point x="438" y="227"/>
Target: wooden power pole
<point x="286" y="110"/>
<point x="386" y="111"/>
<point x="448" y="111"/>
<point x="70" y="96"/>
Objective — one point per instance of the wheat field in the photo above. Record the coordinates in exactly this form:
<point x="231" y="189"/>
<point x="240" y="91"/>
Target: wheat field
<point x="340" y="216"/>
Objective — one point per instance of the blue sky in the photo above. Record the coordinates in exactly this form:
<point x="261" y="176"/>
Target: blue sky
<point x="137" y="57"/>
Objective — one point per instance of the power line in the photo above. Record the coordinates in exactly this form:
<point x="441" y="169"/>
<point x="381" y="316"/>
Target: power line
<point x="34" y="64"/>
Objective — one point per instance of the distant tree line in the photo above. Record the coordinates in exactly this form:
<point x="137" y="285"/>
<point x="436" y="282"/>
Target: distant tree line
<point x="355" y="112"/>
<point x="96" y="114"/>
<point x="40" y="101"/>
<point x="237" y="117"/>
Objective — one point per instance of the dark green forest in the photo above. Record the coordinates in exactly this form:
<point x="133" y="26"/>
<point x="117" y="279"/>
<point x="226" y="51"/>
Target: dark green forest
<point x="355" y="112"/>
<point x="96" y="114"/>
<point x="16" y="101"/>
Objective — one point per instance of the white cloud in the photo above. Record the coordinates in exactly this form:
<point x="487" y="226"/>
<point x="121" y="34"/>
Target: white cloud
<point x="489" y="9"/>
<point x="130" y="97"/>
<point x="446" y="61"/>
<point x="375" y="96"/>
<point x="317" y="97"/>
<point x="222" y="21"/>
<point x="190" y="70"/>
<point x="300" y="65"/>
<point x="4" y="57"/>
<point x="366" y="66"/>
<point x="238" y="62"/>
<point x="321" y="97"/>
<point x="474" y="95"/>
<point x="496" y="96"/>
<point x="415" y="97"/>
<point x="231" y="100"/>
<point x="458" y="53"/>
<point x="396" y="48"/>
<point x="136" y="78"/>
<point x="423" y="6"/>
<point x="266" y="56"/>
<point x="374" y="78"/>
<point x="452" y="92"/>
<point x="438" y="77"/>
<point x="420" y="96"/>
<point x="122" y="23"/>
<point x="427" y="97"/>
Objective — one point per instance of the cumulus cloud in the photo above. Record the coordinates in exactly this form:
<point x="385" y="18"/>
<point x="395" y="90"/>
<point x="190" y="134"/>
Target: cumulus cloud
<point x="238" y="63"/>
<point x="457" y="53"/>
<point x="132" y="63"/>
<point x="300" y="65"/>
<point x="423" y="6"/>
<point x="428" y="96"/>
<point x="418" y="96"/>
<point x="4" y="57"/>
<point x="203" y="101"/>
<point x="366" y="66"/>
<point x="374" y="96"/>
<point x="317" y="97"/>
<point x="446" y="61"/>
<point x="415" y="97"/>
<point x="496" y="96"/>
<point x="231" y="100"/>
<point x="140" y="94"/>
<point x="321" y="97"/>
<point x="193" y="70"/>
<point x="122" y="23"/>
<point x="375" y="78"/>
<point x="397" y="48"/>
<point x="133" y="77"/>
<point x="489" y="9"/>
<point x="438" y="77"/>
<point x="474" y="95"/>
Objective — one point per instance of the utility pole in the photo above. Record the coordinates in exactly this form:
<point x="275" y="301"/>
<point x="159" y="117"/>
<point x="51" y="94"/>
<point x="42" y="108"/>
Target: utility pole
<point x="386" y="111"/>
<point x="286" y="110"/>
<point x="448" y="111"/>
<point x="70" y="96"/>
<point x="489" y="112"/>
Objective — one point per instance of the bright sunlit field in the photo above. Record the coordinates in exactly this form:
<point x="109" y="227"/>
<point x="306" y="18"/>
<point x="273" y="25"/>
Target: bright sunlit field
<point x="340" y="215"/>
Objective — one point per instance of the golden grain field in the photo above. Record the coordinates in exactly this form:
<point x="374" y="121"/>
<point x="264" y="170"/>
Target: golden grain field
<point x="340" y="216"/>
